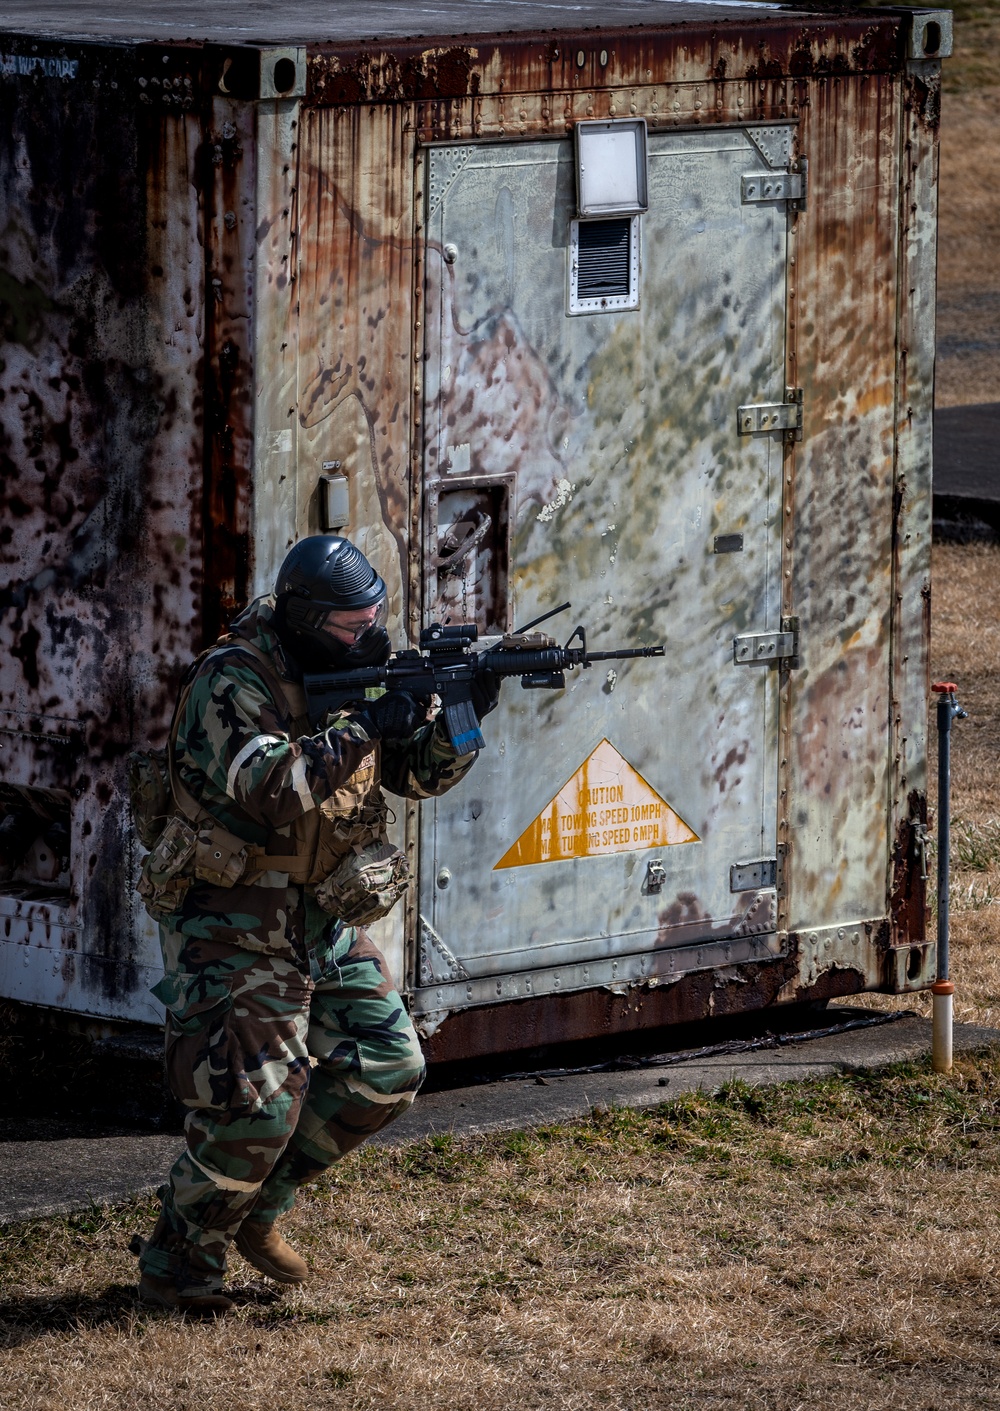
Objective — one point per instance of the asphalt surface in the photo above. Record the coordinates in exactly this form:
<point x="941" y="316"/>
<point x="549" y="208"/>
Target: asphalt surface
<point x="967" y="471"/>
<point x="67" y="1174"/>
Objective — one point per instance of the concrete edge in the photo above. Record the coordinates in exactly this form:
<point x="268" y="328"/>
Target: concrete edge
<point x="62" y="1188"/>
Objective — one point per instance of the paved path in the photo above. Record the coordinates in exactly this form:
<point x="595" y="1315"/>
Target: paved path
<point x="967" y="450"/>
<point x="966" y="467"/>
<point x="39" y="1178"/>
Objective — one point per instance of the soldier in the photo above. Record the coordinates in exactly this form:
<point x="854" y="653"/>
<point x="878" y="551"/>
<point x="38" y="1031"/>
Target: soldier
<point x="286" y="1040"/>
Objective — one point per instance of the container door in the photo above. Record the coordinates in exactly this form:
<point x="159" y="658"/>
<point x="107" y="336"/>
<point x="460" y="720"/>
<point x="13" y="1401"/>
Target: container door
<point x="582" y="442"/>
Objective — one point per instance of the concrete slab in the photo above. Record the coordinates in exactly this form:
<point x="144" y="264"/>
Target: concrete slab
<point x="41" y="1178"/>
<point x="509" y="1105"/>
<point x="61" y="1177"/>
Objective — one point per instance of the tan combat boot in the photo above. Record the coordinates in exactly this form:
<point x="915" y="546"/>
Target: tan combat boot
<point x="185" y="1289"/>
<point x="182" y="1296"/>
<point x="262" y="1246"/>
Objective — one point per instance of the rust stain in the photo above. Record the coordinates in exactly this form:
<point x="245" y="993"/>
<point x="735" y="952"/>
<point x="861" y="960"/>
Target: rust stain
<point x="100" y="471"/>
<point x="908" y="897"/>
<point x="228" y="160"/>
<point x="686" y="921"/>
<point x="357" y="254"/>
<point x="772" y="49"/>
<point x="843" y="317"/>
<point x="593" y="1014"/>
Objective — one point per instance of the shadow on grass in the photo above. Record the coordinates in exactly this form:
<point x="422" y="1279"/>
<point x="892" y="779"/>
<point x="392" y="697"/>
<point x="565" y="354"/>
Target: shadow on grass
<point x="117" y="1307"/>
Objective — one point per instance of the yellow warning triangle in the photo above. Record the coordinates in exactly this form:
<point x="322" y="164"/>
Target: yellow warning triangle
<point x="606" y="807"/>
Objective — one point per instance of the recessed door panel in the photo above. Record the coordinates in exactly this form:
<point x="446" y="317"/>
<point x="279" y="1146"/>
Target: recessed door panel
<point x="604" y="821"/>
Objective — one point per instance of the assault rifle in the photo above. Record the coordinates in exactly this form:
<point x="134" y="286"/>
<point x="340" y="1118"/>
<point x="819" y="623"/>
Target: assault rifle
<point x="446" y="666"/>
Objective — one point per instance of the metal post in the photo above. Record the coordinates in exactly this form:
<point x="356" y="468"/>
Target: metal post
<point x="943" y="990"/>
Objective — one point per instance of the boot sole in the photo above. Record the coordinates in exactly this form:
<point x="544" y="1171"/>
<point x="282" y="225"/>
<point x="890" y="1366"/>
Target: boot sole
<point x="212" y="1306"/>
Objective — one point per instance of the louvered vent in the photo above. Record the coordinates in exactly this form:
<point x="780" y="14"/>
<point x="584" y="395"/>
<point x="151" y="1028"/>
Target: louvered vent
<point x="603" y="259"/>
<point x="604" y="265"/>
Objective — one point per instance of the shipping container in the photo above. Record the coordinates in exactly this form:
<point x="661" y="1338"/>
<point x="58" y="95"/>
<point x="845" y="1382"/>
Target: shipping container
<point x="628" y="304"/>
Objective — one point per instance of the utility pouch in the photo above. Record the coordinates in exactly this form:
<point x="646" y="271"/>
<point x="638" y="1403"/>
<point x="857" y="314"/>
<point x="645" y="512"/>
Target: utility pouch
<point x="342" y="834"/>
<point x="365" y="825"/>
<point x="149" y="793"/>
<point x="219" y="857"/>
<point x="366" y="884"/>
<point x="166" y="874"/>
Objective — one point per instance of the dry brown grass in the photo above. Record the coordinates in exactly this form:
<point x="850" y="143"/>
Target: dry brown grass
<point x="824" y="1245"/>
<point x="968" y="306"/>
<point x="965" y="648"/>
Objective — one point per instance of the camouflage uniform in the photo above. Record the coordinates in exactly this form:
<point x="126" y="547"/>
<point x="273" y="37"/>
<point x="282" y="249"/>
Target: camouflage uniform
<point x="259" y="980"/>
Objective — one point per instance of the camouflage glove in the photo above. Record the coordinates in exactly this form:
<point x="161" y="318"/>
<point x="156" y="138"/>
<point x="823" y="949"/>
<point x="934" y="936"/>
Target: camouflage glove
<point x="485" y="692"/>
<point x="395" y="716"/>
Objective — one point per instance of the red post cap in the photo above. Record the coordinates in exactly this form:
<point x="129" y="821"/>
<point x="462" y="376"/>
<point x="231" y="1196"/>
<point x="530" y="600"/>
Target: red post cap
<point x="942" y="686"/>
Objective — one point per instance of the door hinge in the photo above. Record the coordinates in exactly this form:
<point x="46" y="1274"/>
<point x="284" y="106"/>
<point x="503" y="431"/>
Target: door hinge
<point x="920" y="841"/>
<point x="765" y="648"/>
<point x="752" y="876"/>
<point x="781" y="881"/>
<point x="784" y="416"/>
<point x="787" y="186"/>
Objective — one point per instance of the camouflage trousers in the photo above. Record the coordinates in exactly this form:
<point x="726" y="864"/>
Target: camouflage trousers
<point x="242" y="1029"/>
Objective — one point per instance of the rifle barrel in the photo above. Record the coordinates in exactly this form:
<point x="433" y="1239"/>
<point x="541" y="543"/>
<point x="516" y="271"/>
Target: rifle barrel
<point x="627" y="652"/>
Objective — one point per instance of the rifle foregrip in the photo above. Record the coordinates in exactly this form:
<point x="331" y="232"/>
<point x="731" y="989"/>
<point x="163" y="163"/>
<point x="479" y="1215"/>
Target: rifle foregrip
<point x="523" y="661"/>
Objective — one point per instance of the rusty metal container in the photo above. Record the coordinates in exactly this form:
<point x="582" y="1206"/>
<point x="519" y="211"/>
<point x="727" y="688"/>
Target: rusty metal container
<point x="265" y="275"/>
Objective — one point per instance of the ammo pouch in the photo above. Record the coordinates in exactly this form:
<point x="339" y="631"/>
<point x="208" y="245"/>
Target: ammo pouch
<point x="149" y="793"/>
<point x="366" y="884"/>
<point x="182" y="854"/>
<point x="365" y="826"/>
<point x="166" y="875"/>
<point x="185" y="841"/>
<point x="219" y="856"/>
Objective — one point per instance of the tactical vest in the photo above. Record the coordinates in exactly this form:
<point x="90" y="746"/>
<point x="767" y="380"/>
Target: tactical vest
<point x="351" y="818"/>
<point x="187" y="842"/>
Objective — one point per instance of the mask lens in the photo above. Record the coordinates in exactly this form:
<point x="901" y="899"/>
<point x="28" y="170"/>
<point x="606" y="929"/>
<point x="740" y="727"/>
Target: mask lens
<point x="381" y="615"/>
<point x="351" y="624"/>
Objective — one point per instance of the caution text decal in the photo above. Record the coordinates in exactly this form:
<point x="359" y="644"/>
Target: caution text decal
<point x="606" y="807"/>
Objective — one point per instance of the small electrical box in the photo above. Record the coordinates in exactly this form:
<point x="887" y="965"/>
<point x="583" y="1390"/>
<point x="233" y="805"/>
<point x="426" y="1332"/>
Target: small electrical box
<point x="334" y="497"/>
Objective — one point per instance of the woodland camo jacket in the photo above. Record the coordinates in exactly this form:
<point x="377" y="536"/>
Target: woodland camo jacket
<point x="239" y="756"/>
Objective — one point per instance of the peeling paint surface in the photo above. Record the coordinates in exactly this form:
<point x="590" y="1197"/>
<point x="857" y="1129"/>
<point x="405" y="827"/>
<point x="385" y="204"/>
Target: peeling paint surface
<point x="99" y="413"/>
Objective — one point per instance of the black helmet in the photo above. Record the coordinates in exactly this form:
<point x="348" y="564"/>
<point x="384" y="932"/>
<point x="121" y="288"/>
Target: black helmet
<point x="320" y="575"/>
